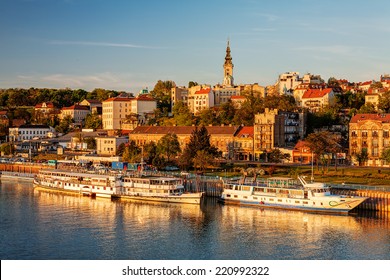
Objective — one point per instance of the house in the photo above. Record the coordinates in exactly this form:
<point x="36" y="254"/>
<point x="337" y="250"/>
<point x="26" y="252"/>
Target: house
<point x="29" y="132"/>
<point x="302" y="153"/>
<point x="315" y="99"/>
<point x="244" y="143"/>
<point x="203" y="99"/>
<point x="108" y="145"/>
<point x="95" y="106"/>
<point x="76" y="112"/>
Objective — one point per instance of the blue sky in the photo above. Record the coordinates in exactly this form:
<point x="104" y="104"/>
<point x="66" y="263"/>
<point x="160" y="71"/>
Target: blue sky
<point x="130" y="45"/>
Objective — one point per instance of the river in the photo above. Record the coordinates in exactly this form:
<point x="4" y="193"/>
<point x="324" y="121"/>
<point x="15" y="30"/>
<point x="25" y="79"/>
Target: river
<point x="44" y="226"/>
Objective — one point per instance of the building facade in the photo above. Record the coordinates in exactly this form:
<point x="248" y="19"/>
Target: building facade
<point x="316" y="99"/>
<point x="277" y="129"/>
<point x="29" y="132"/>
<point x="108" y="145"/>
<point x="76" y="112"/>
<point x="369" y="132"/>
<point x="221" y="137"/>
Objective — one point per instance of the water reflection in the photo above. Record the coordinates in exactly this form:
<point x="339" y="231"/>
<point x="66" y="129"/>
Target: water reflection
<point x="42" y="225"/>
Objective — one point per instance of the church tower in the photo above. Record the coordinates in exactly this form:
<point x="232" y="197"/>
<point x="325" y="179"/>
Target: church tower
<point x="228" y="68"/>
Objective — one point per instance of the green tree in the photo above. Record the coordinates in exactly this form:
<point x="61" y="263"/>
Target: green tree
<point x="202" y="160"/>
<point x="199" y="141"/>
<point x="368" y="108"/>
<point x="277" y="156"/>
<point x="322" y="144"/>
<point x="182" y="114"/>
<point x="168" y="146"/>
<point x="226" y="113"/>
<point x="64" y="125"/>
<point x="386" y="155"/>
<point x="162" y="93"/>
<point x="150" y="152"/>
<point x="91" y="143"/>
<point x="131" y="153"/>
<point x="7" y="149"/>
<point x="362" y="156"/>
<point x="384" y="102"/>
<point x="93" y="121"/>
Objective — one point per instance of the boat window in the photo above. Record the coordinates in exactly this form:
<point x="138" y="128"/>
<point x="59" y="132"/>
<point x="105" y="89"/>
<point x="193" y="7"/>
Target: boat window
<point x="245" y="197"/>
<point x="297" y="201"/>
<point x="279" y="200"/>
<point x="255" y="197"/>
<point x="235" y="196"/>
<point x="305" y="202"/>
<point x="246" y="188"/>
<point x="228" y="195"/>
<point x="271" y="199"/>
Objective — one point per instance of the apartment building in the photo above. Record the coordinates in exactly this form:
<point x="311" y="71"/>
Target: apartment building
<point x="370" y="132"/>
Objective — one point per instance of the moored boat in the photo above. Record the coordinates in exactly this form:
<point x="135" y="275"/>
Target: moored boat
<point x="159" y="189"/>
<point x="287" y="193"/>
<point x="132" y="187"/>
<point x="82" y="183"/>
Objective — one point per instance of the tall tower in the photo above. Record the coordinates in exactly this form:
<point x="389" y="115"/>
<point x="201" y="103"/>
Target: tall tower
<point x="228" y="68"/>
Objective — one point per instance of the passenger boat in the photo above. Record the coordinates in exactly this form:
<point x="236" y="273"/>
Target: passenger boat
<point x="83" y="183"/>
<point x="159" y="189"/>
<point x="287" y="193"/>
<point x="134" y="187"/>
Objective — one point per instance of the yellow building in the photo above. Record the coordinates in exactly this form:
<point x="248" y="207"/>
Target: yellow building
<point x="221" y="137"/>
<point x="108" y="145"/>
<point x="370" y="132"/>
<point x="116" y="110"/>
<point x="76" y="112"/>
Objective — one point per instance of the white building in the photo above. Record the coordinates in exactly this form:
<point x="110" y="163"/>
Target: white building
<point x="116" y="109"/>
<point x="108" y="145"/>
<point x="30" y="132"/>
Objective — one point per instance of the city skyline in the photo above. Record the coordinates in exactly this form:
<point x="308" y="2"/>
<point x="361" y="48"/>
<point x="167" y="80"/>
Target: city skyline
<point x="128" y="45"/>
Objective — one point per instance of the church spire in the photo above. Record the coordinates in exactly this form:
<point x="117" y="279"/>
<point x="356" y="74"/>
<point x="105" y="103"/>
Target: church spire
<point x="228" y="67"/>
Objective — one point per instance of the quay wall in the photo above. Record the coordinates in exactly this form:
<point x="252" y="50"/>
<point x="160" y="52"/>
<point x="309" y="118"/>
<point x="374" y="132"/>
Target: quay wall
<point x="22" y="168"/>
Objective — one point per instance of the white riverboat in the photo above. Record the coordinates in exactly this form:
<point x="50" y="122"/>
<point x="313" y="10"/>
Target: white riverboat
<point x="287" y="193"/>
<point x="83" y="183"/>
<point x="132" y="187"/>
<point x="158" y="189"/>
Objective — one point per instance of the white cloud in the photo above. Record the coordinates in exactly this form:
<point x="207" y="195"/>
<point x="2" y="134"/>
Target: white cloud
<point x="101" y="44"/>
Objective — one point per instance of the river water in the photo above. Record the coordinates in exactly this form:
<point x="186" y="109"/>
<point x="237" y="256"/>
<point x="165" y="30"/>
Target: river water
<point x="46" y="226"/>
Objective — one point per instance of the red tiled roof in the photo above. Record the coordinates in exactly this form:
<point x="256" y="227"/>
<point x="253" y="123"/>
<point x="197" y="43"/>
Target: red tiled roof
<point x="373" y="117"/>
<point x="203" y="91"/>
<point x="76" y="107"/>
<point x="182" y="130"/>
<point x="48" y="105"/>
<point x="118" y="99"/>
<point x="316" y="93"/>
<point x="246" y="130"/>
<point x="238" y="97"/>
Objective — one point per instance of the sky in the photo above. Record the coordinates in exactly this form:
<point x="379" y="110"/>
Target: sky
<point x="128" y="45"/>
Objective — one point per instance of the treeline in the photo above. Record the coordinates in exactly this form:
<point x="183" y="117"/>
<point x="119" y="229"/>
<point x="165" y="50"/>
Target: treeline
<point x="19" y="97"/>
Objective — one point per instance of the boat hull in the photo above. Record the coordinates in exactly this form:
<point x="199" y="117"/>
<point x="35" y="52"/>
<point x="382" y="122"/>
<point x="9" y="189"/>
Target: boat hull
<point x="184" y="198"/>
<point x="332" y="206"/>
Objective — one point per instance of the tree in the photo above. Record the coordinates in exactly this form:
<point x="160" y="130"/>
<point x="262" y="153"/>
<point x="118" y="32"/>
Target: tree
<point x="386" y="155"/>
<point x="199" y="141"/>
<point x="91" y="143"/>
<point x="361" y="157"/>
<point x="162" y="93"/>
<point x="64" y="125"/>
<point x="368" y="108"/>
<point x="150" y="152"/>
<point x="323" y="143"/>
<point x="182" y="114"/>
<point x="168" y="146"/>
<point x="132" y="153"/>
<point x="384" y="102"/>
<point x="277" y="156"/>
<point x="93" y="121"/>
<point x="202" y="160"/>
